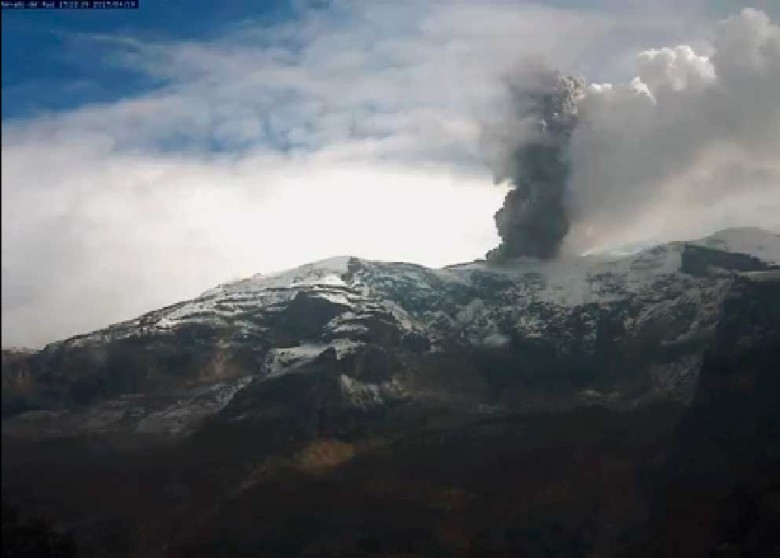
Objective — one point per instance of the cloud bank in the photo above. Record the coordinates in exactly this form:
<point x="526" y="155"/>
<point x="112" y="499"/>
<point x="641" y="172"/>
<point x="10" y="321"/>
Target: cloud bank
<point x="691" y="145"/>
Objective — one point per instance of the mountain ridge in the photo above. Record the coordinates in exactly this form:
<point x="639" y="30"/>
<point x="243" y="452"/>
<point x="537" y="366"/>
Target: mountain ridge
<point x="259" y="327"/>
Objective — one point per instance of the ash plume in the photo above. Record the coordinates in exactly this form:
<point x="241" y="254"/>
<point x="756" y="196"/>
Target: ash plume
<point x="531" y="152"/>
<point x="687" y="147"/>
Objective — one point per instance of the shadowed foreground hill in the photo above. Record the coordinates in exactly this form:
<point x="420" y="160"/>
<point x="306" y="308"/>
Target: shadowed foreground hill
<point x="25" y="537"/>
<point x="595" y="406"/>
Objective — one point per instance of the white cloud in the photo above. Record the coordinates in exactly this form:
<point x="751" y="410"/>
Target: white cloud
<point x="688" y="147"/>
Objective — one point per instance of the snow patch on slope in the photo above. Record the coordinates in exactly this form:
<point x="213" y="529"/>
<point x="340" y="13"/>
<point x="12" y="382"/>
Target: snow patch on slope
<point x="365" y="395"/>
<point x="280" y="361"/>
<point x="325" y="272"/>
<point x="758" y="243"/>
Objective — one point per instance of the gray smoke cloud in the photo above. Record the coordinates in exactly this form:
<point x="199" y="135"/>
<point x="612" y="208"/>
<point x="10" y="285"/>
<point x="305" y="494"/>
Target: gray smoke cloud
<point x="688" y="146"/>
<point x="530" y="151"/>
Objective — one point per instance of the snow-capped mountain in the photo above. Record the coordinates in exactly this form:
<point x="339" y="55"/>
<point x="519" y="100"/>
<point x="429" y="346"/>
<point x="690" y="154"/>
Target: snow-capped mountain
<point x="527" y="335"/>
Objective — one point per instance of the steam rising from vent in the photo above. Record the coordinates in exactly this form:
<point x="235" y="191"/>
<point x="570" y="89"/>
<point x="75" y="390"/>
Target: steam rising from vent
<point x="689" y="146"/>
<point x="531" y="153"/>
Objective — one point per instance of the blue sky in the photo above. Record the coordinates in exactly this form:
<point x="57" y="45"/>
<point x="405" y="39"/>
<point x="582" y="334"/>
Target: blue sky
<point x="150" y="154"/>
<point x="49" y="61"/>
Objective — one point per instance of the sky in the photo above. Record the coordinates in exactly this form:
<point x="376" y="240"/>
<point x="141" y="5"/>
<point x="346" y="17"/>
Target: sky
<point x="148" y="155"/>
